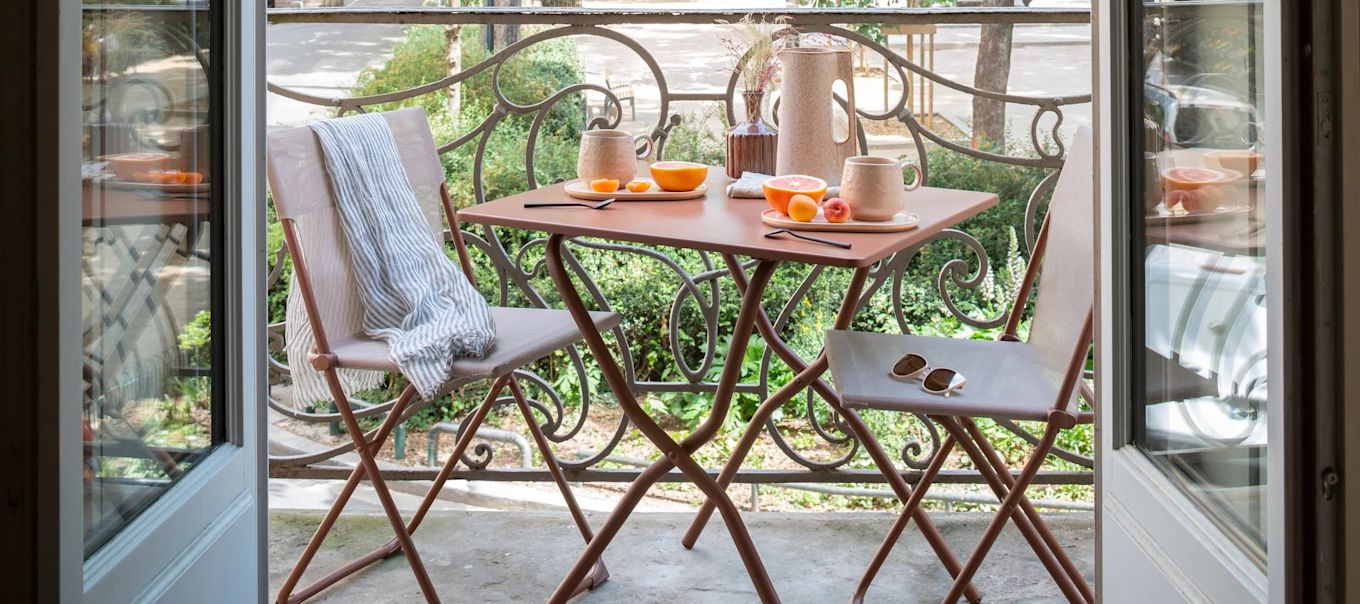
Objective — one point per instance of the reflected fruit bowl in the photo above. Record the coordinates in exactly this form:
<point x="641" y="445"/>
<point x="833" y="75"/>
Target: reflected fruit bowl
<point x="126" y="166"/>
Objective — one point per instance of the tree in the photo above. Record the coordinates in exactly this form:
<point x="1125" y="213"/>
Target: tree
<point x="504" y="35"/>
<point x="992" y="73"/>
<point x="453" y="55"/>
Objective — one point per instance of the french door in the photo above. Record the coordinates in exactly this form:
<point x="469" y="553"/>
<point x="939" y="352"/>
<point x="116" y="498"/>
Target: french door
<point x="161" y="298"/>
<point x="1212" y="352"/>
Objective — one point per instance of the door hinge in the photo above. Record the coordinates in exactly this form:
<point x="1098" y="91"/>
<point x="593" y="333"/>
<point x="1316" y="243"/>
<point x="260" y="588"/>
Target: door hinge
<point x="1330" y="481"/>
<point x="1326" y="117"/>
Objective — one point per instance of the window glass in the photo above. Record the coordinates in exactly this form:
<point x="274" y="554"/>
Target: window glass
<point x="151" y="399"/>
<point x="1201" y="396"/>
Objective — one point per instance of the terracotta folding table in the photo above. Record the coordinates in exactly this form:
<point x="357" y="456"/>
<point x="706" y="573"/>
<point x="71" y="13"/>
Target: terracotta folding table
<point x="729" y="227"/>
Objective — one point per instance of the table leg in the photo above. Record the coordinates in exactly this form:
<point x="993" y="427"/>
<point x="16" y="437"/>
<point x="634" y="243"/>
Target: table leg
<point x="809" y="375"/>
<point x="676" y="454"/>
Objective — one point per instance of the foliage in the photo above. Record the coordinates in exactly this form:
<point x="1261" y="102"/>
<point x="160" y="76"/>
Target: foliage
<point x="117" y="41"/>
<point x="526" y="79"/>
<point x="693" y="139"/>
<point x="196" y="340"/>
<point x="752" y="48"/>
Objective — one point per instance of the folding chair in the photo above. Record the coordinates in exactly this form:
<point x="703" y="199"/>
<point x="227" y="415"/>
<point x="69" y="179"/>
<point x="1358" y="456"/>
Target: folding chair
<point x="1034" y="380"/>
<point x="321" y="265"/>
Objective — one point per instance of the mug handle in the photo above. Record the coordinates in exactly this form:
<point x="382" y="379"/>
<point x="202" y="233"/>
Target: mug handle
<point x="643" y="144"/>
<point x="920" y="176"/>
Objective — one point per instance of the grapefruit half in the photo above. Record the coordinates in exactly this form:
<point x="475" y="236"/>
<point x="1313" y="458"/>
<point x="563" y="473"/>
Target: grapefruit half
<point x="780" y="189"/>
<point x="1189" y="179"/>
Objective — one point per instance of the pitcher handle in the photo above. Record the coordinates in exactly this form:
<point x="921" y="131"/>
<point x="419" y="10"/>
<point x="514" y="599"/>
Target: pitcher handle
<point x="642" y="144"/>
<point x="905" y="165"/>
<point x="845" y="68"/>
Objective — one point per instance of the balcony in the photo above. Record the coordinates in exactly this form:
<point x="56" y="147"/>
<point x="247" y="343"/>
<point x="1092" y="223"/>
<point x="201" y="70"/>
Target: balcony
<point x="505" y="121"/>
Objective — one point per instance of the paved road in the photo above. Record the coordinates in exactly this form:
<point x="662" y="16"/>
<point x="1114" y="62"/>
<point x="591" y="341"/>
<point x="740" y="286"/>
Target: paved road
<point x="324" y="60"/>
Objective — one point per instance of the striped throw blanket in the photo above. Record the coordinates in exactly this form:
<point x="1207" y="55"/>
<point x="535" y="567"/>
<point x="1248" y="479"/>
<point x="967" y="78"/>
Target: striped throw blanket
<point x="415" y="299"/>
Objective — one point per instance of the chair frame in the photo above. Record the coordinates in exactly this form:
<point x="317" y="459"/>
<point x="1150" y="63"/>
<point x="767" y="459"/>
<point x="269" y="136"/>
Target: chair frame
<point x="1009" y="490"/>
<point x="327" y="362"/>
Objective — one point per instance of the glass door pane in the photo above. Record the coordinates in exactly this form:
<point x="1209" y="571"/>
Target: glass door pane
<point x="1200" y="395"/>
<point x="150" y="150"/>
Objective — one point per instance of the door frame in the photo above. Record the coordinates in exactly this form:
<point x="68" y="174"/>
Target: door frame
<point x="32" y="362"/>
<point x="179" y="548"/>
<point x="1190" y="555"/>
<point x="1348" y="187"/>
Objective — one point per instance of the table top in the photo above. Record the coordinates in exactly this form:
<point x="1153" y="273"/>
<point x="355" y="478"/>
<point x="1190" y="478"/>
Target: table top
<point x="721" y="224"/>
<point x="103" y="206"/>
<point x="1242" y="234"/>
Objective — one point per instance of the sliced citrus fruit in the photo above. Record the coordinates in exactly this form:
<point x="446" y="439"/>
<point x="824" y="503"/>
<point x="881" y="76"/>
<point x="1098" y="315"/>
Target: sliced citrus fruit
<point x="1189" y="179"/>
<point x="780" y="189"/>
<point x="679" y="175"/>
<point x="1240" y="160"/>
<point x="604" y="185"/>
<point x="638" y="186"/>
<point x="802" y="208"/>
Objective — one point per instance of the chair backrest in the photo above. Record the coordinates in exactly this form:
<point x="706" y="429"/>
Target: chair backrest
<point x="302" y="195"/>
<point x="1060" y="332"/>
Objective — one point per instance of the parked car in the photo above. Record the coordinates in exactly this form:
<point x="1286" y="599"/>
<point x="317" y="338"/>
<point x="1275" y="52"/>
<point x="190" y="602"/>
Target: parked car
<point x="1194" y="112"/>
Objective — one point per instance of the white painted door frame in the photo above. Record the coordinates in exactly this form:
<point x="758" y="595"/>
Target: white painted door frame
<point x="204" y="540"/>
<point x="1155" y="543"/>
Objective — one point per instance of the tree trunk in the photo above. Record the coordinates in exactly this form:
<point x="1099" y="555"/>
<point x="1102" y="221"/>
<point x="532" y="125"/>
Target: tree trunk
<point x="504" y="35"/>
<point x="453" y="62"/>
<point x="993" y="73"/>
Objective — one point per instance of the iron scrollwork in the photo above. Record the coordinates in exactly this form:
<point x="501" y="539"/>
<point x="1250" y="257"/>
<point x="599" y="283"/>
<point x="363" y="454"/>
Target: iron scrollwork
<point x="516" y="269"/>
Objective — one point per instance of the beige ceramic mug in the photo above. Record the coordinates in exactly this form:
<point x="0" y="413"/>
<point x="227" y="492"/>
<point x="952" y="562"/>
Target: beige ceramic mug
<point x="872" y="186"/>
<point x="611" y="154"/>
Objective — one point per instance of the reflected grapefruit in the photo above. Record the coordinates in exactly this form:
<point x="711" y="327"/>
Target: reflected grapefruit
<point x="1189" y="179"/>
<point x="780" y="189"/>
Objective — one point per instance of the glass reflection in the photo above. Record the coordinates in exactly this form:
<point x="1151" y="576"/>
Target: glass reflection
<point x="1204" y="167"/>
<point x="150" y="410"/>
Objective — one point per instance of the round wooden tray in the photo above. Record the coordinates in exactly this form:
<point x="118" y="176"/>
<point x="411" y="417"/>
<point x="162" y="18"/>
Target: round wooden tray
<point x="902" y="221"/>
<point x="581" y="190"/>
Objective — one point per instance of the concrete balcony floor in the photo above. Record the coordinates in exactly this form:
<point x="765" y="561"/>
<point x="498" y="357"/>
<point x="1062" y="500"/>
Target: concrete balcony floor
<point x="519" y="556"/>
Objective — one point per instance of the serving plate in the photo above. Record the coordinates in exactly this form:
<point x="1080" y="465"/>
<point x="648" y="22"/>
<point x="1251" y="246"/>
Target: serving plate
<point x="1162" y="215"/>
<point x="581" y="190"/>
<point x="902" y="221"/>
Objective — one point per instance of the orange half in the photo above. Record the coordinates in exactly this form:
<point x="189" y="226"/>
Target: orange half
<point x="679" y="175"/>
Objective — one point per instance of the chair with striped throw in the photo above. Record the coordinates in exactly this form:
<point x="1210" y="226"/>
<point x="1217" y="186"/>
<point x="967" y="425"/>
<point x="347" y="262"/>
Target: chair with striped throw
<point x="312" y="231"/>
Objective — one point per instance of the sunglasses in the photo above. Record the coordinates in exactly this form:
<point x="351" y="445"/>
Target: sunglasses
<point x="939" y="381"/>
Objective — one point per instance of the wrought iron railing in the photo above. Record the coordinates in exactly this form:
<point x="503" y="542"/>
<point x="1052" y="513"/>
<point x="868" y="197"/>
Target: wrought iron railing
<point x="702" y="287"/>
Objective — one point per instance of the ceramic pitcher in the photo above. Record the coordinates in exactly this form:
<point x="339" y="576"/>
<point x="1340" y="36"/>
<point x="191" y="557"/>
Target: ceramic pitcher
<point x="872" y="186"/>
<point x="807" y="140"/>
<point x="611" y="154"/>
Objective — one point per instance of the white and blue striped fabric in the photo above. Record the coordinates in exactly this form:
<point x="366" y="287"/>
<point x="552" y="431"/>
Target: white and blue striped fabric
<point x="415" y="299"/>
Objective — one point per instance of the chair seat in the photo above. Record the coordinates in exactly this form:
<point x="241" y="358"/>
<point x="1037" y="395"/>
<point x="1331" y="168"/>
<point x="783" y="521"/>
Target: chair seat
<point x="523" y="335"/>
<point x="1006" y="380"/>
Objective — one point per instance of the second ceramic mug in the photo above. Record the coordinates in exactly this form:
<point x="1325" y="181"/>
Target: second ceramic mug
<point x="611" y="154"/>
<point x="872" y="186"/>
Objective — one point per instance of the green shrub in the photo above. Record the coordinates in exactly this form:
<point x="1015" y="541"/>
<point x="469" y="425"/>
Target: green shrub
<point x="693" y="140"/>
<point x="529" y="77"/>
